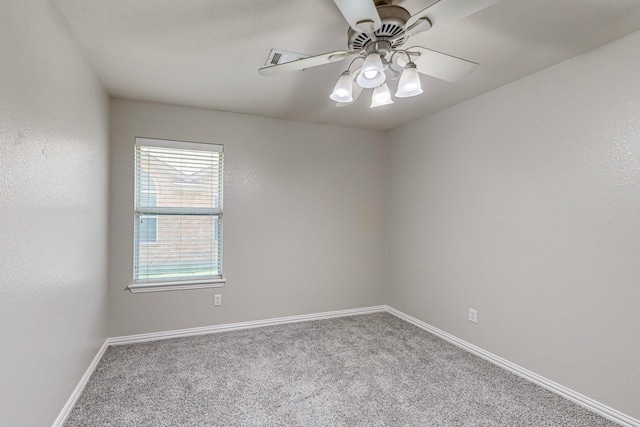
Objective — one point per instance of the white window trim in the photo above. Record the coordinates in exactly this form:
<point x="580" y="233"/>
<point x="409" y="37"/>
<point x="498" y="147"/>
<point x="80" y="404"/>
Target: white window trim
<point x="168" y="143"/>
<point x="177" y="285"/>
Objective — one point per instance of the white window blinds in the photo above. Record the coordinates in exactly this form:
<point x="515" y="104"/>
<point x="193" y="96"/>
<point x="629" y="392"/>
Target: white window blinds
<point x="178" y="211"/>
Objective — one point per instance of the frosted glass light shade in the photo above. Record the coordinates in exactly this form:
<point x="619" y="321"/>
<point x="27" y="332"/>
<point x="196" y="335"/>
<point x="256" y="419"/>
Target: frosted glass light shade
<point x="372" y="73"/>
<point x="343" y="91"/>
<point x="381" y="96"/>
<point x="409" y="84"/>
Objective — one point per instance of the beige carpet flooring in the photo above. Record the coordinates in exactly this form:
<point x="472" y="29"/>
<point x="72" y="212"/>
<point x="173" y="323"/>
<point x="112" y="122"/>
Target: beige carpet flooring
<point x="368" y="370"/>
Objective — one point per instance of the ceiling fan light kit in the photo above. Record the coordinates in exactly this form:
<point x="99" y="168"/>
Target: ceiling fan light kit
<point x="409" y="84"/>
<point x="377" y="31"/>
<point x="343" y="91"/>
<point x="372" y="73"/>
<point x="381" y="96"/>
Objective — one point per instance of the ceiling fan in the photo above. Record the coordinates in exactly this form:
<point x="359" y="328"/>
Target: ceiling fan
<point x="378" y="31"/>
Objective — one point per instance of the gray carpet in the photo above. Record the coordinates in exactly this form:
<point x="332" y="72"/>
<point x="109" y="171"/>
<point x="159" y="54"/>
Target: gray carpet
<point x="369" y="370"/>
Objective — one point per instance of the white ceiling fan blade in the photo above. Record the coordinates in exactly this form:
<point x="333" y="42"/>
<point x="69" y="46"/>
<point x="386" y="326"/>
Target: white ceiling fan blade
<point x="303" y="63"/>
<point x="420" y="26"/>
<point x="443" y="12"/>
<point x="359" y="14"/>
<point x="442" y="66"/>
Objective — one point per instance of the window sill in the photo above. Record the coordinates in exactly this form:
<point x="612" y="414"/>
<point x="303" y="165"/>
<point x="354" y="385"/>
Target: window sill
<point x="176" y="286"/>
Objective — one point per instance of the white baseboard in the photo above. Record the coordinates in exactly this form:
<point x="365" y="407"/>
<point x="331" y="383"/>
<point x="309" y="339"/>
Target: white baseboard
<point x="66" y="410"/>
<point x="129" y="339"/>
<point x="563" y="391"/>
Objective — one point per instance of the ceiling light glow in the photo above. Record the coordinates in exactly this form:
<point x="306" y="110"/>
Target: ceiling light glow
<point x="409" y="84"/>
<point x="343" y="90"/>
<point x="381" y="96"/>
<point x="372" y="74"/>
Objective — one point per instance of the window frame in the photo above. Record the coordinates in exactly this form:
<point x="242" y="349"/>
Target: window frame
<point x="176" y="284"/>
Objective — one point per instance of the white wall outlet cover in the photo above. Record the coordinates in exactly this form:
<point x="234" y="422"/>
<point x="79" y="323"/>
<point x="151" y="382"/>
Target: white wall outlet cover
<point x="473" y="315"/>
<point x="217" y="299"/>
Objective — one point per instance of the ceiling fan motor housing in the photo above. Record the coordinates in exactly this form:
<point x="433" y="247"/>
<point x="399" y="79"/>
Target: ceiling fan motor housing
<point x="393" y="20"/>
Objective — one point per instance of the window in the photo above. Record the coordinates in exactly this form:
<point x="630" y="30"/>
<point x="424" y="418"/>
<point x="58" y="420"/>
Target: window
<point x="148" y="229"/>
<point x="178" y="215"/>
<point x="147" y="224"/>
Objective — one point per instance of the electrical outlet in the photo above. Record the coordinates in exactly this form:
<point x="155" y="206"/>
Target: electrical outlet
<point x="217" y="299"/>
<point x="473" y="315"/>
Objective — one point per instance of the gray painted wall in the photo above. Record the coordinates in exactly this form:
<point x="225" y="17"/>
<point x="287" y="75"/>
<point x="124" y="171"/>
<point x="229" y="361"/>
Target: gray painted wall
<point x="524" y="203"/>
<point x="53" y="214"/>
<point x="303" y="221"/>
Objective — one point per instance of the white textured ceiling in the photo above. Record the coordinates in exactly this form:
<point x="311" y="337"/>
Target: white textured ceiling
<point x="206" y="53"/>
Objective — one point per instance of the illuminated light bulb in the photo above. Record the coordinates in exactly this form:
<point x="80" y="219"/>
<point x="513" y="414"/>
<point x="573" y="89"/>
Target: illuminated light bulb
<point x="343" y="90"/>
<point x="409" y="84"/>
<point x="372" y="74"/>
<point x="381" y="96"/>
